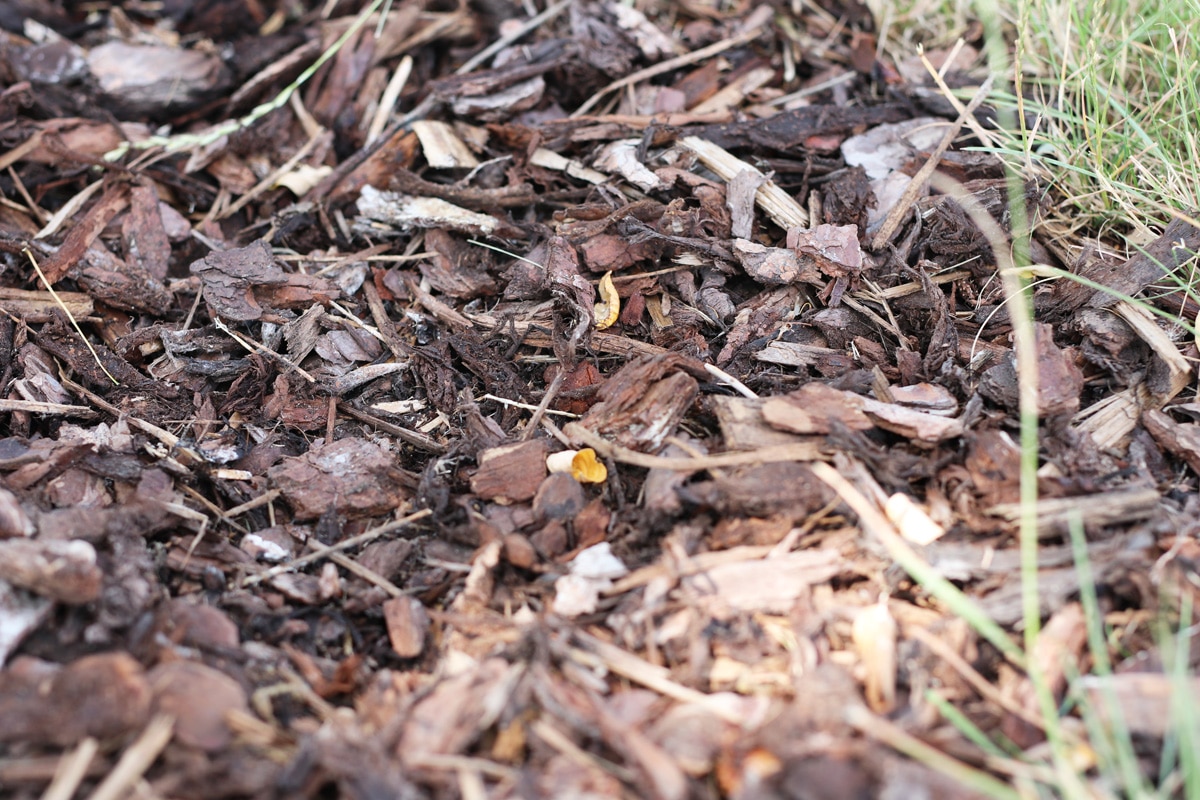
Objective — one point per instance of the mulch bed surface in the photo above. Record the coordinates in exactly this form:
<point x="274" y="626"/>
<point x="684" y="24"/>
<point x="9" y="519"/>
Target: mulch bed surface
<point x="547" y="423"/>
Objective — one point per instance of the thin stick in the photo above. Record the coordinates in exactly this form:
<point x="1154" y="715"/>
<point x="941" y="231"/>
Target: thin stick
<point x="754" y="24"/>
<point x="255" y="347"/>
<point x="269" y="181"/>
<point x="967" y="113"/>
<point x="366" y="573"/>
<point x="35" y="407"/>
<point x="29" y="254"/>
<point x="780" y="206"/>
<point x="252" y="504"/>
<point x="900" y="740"/>
<point x="801" y="451"/>
<point x="414" y="438"/>
<point x="136" y="760"/>
<point x="71" y="770"/>
<point x="42" y="214"/>
<point x="68" y="210"/>
<point x="724" y="377"/>
<point x="904" y="205"/>
<point x="527" y="406"/>
<point x="388" y="101"/>
<point x="547" y="399"/>
<point x="353" y="257"/>
<point x="346" y="544"/>
<point x="504" y="41"/>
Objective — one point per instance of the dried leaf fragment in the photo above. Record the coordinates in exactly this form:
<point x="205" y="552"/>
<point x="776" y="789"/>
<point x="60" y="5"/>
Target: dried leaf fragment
<point x="582" y="464"/>
<point x="609" y="307"/>
<point x="587" y="468"/>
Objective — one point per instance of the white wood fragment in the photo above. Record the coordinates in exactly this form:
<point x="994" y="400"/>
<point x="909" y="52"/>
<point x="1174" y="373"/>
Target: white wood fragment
<point x="621" y="157"/>
<point x="777" y="204"/>
<point x="442" y="147"/>
<point x="406" y="211"/>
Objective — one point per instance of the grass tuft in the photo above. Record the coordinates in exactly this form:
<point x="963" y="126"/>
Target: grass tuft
<point x="1103" y="108"/>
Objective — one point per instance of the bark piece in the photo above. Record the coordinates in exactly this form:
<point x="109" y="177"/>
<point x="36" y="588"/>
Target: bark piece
<point x="848" y="199"/>
<point x="84" y="232"/>
<point x="773" y="266"/>
<point x="777" y="204"/>
<point x="144" y="236"/>
<point x="621" y="157"/>
<point x="199" y="698"/>
<point x="814" y="408"/>
<point x="238" y="283"/>
<point x="451" y="716"/>
<point x="398" y="152"/>
<point x="789" y="130"/>
<point x="40" y="306"/>
<point x="355" y="477"/>
<point x="739" y="196"/>
<point x="510" y="473"/>
<point x="834" y="249"/>
<point x="63" y="570"/>
<point x="104" y="695"/>
<point x="641" y="405"/>
<point x="761" y="491"/>
<point x="607" y="251"/>
<point x="442" y="147"/>
<point x="1110" y="343"/>
<point x="121" y="285"/>
<point x="769" y="585"/>
<point x="407" y="625"/>
<point x="57" y="61"/>
<point x="155" y="80"/>
<point x="743" y="426"/>
<point x="560" y="497"/>
<point x="200" y="626"/>
<point x="574" y="297"/>
<point x="405" y="211"/>
<point x="502" y="104"/>
<point x="1148" y="701"/>
<point x="1059" y="379"/>
<point x="910" y="423"/>
<point x="1181" y="440"/>
<point x="1166" y="255"/>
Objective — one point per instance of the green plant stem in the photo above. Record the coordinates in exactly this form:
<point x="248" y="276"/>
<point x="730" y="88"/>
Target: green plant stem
<point x="911" y="746"/>
<point x="1025" y="347"/>
<point x="184" y="141"/>
<point x="1116" y="732"/>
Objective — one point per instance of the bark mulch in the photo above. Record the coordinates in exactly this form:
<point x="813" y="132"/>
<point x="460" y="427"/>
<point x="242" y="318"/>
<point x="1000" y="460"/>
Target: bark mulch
<point x="540" y="406"/>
